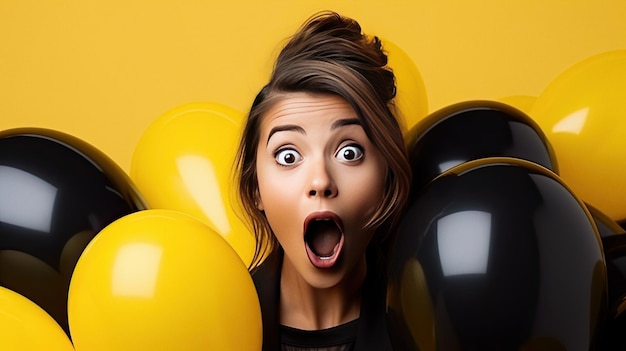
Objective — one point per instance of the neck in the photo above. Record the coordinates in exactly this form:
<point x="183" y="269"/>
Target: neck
<point x="307" y="307"/>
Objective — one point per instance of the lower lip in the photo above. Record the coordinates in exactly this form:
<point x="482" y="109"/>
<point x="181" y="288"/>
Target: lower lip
<point x="325" y="262"/>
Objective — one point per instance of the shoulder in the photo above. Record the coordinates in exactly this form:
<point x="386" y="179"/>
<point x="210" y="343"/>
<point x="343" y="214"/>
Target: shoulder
<point x="266" y="278"/>
<point x="268" y="271"/>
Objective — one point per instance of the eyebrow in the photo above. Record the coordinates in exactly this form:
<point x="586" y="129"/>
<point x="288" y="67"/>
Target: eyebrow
<point x="295" y="128"/>
<point x="345" y="122"/>
<point x="286" y="127"/>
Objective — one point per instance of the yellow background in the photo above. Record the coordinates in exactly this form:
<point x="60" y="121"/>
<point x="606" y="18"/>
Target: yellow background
<point x="105" y="70"/>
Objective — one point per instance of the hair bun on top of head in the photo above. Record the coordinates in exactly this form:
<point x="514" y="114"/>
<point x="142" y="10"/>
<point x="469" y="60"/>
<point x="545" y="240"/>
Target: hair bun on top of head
<point x="330" y="37"/>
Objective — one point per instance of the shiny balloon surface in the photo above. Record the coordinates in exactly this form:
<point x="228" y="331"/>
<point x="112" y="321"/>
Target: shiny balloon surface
<point x="56" y="193"/>
<point x="184" y="161"/>
<point x="472" y="130"/>
<point x="582" y="113"/>
<point x="26" y="326"/>
<point x="508" y="259"/>
<point x="162" y="280"/>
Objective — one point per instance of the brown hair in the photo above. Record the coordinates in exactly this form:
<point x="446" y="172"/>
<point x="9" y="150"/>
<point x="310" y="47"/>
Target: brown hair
<point x="330" y="55"/>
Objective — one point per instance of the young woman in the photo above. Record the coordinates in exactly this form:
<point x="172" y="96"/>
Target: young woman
<point x="324" y="178"/>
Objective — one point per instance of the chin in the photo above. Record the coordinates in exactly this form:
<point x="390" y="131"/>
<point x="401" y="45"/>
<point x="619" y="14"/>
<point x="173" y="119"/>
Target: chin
<point x="326" y="278"/>
<point x="323" y="284"/>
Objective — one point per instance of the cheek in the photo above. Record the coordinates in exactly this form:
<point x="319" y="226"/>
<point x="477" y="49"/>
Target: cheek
<point x="366" y="190"/>
<point x="274" y="194"/>
<point x="370" y="197"/>
<point x="282" y="217"/>
<point x="265" y="186"/>
<point x="373" y="182"/>
<point x="278" y="197"/>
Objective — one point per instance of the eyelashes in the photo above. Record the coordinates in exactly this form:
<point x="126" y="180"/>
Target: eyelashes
<point x="287" y="156"/>
<point x="348" y="153"/>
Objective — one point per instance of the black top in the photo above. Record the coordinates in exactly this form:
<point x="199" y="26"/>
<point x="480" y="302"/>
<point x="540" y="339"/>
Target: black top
<point x="369" y="331"/>
<point x="339" y="338"/>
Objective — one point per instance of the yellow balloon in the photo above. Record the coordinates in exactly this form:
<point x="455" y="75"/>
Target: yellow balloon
<point x="582" y="113"/>
<point x="523" y="103"/>
<point x="26" y="326"/>
<point x="411" y="98"/>
<point x="162" y="280"/>
<point x="183" y="162"/>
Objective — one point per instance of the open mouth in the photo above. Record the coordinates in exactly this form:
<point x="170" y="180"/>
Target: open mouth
<point x="323" y="237"/>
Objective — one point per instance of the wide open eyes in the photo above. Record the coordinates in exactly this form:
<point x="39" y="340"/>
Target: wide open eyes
<point x="290" y="157"/>
<point x="287" y="157"/>
<point x="350" y="153"/>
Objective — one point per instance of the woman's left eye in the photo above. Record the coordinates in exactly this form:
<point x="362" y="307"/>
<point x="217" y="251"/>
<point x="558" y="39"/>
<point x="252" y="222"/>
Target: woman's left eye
<point x="287" y="157"/>
<point x="350" y="153"/>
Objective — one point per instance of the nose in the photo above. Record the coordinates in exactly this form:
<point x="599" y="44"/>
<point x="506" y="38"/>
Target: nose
<point x="322" y="182"/>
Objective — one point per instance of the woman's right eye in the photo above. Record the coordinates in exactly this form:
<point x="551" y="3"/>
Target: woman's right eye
<point x="287" y="157"/>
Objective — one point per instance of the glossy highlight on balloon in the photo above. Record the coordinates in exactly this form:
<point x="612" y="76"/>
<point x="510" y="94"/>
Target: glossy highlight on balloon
<point x="509" y="257"/>
<point x="471" y="130"/>
<point x="162" y="280"/>
<point x="56" y="193"/>
<point x="582" y="113"/>
<point x="184" y="162"/>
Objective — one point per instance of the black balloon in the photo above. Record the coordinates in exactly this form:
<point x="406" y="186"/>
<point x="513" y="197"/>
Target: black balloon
<point x="614" y="246"/>
<point x="613" y="338"/>
<point x="472" y="130"/>
<point x="56" y="193"/>
<point x="497" y="254"/>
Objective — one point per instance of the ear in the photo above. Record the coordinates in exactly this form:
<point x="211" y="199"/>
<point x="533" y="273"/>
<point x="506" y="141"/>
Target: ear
<point x="258" y="202"/>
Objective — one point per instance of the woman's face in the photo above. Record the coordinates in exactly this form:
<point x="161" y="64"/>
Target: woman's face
<point x="320" y="179"/>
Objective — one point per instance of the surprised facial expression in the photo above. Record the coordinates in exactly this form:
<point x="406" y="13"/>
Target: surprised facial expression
<point x="320" y="179"/>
